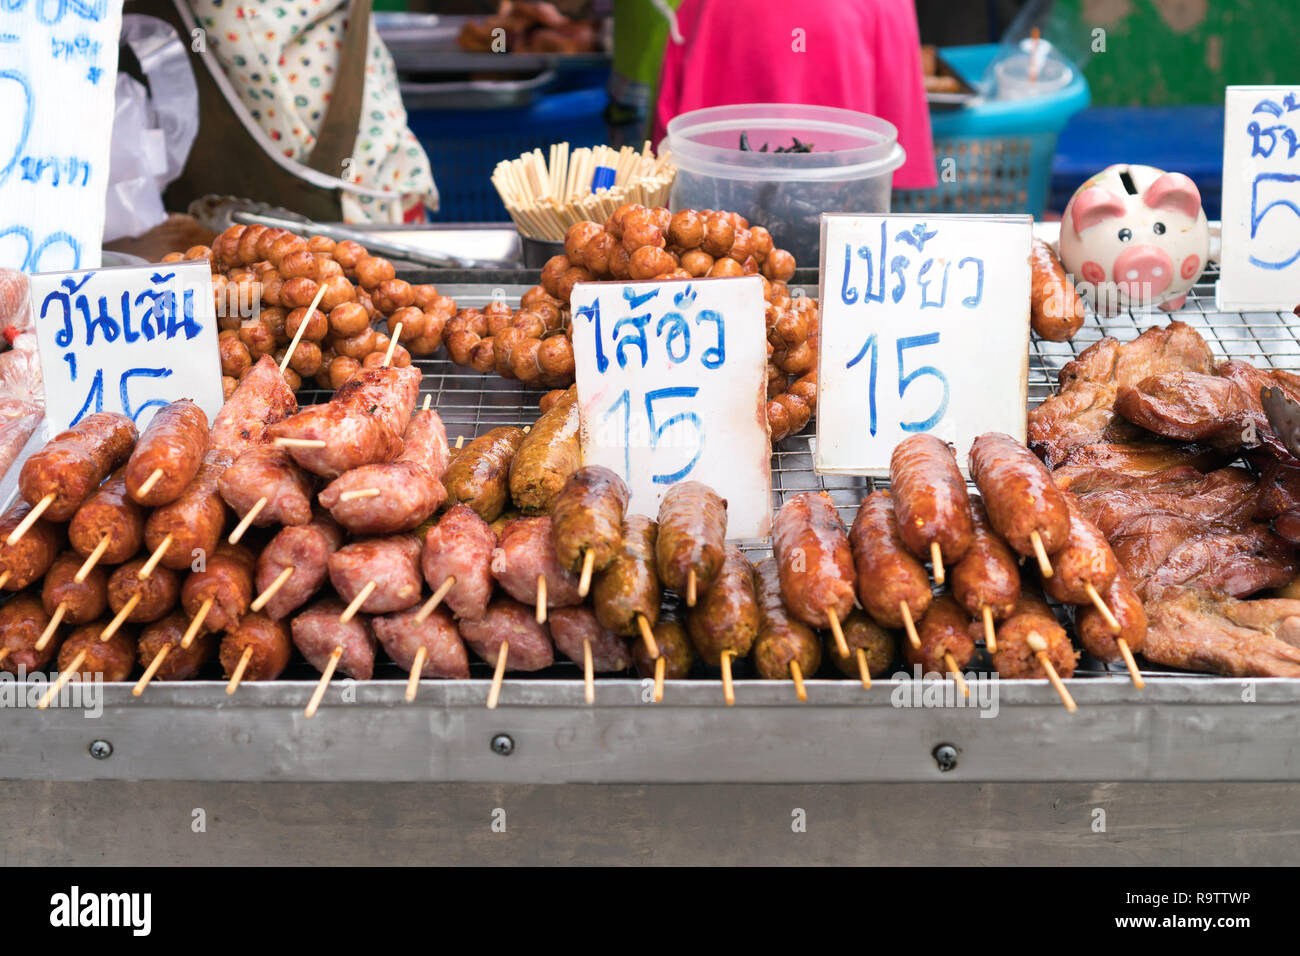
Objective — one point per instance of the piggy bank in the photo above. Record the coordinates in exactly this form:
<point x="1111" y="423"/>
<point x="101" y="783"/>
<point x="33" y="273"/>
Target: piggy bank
<point x="1135" y="236"/>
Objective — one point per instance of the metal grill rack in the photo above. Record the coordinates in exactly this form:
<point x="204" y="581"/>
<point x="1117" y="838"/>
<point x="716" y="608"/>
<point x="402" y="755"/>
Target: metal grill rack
<point x="471" y="404"/>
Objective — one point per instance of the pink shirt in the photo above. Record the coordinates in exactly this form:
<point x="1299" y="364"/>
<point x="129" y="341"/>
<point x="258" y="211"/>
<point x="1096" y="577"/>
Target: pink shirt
<point x="860" y="55"/>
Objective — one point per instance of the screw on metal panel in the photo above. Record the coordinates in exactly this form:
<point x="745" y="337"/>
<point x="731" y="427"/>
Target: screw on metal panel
<point x="503" y="744"/>
<point x="101" y="749"/>
<point x="945" y="755"/>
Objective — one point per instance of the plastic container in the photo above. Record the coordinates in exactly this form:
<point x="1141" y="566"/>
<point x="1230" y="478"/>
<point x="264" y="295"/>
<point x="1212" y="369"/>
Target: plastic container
<point x="994" y="156"/>
<point x="850" y="169"/>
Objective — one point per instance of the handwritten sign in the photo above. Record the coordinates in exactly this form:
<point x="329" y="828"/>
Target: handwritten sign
<point x="1260" y="261"/>
<point x="127" y="340"/>
<point x="671" y="387"/>
<point x="58" y="64"/>
<point x="924" y="328"/>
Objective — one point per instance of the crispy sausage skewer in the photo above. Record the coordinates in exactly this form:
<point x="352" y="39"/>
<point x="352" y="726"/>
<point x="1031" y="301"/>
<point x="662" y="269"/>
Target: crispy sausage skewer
<point x="1024" y="506"/>
<point x="987" y="581"/>
<point x="892" y="585"/>
<point x="930" y="501"/>
<point x="587" y="522"/>
<point x="812" y="553"/>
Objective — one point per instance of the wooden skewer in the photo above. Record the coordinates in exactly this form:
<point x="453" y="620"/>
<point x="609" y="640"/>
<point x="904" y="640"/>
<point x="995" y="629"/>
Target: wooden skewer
<point x="302" y="327"/>
<point x="299" y="442"/>
<point x="154" y="558"/>
<point x="990" y="635"/>
<point x="588" y="565"/>
<point x="4" y="578"/>
<point x="64" y="677"/>
<point x="541" y="599"/>
<point x="1101" y="607"/>
<point x="4" y="653"/>
<point x="144" y="489"/>
<point x="796" y="675"/>
<point x="192" y="631"/>
<point x="1131" y="664"/>
<point x="149" y="671"/>
<point x="359" y="493"/>
<point x="436" y="599"/>
<point x="428" y="400"/>
<point x="864" y="672"/>
<point x="324" y="682"/>
<point x="246" y="522"/>
<point x="936" y="560"/>
<point x="29" y="519"/>
<point x="92" y="559"/>
<point x="1039" y="647"/>
<point x="260" y="601"/>
<point x="392" y="343"/>
<point x="648" y="637"/>
<point x="55" y="619"/>
<point x="690" y="588"/>
<point x="660" y="668"/>
<point x="588" y="673"/>
<point x="460" y="442"/>
<point x="1044" y="565"/>
<point x="494" y="694"/>
<point x="957" y="677"/>
<point x="837" y="632"/>
<point x="909" y="625"/>
<point x="350" y="611"/>
<point x="121" y="617"/>
<point x="728" y="693"/>
<point x="417" y="667"/>
<point x="242" y="666"/>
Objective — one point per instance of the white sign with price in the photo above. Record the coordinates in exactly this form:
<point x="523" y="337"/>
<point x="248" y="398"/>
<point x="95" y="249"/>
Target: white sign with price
<point x="1260" y="261"/>
<point x="672" y="386"/>
<point x="924" y="328"/>
<point x="126" y="340"/>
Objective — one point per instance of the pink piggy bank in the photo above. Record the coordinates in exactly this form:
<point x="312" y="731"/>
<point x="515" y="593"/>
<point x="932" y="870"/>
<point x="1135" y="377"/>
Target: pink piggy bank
<point x="1135" y="236"/>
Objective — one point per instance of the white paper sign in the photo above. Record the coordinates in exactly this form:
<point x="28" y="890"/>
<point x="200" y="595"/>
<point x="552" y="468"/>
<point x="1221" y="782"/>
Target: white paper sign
<point x="1260" y="261"/>
<point x="672" y="387"/>
<point x="127" y="340"/>
<point x="58" y="67"/>
<point x="924" y="328"/>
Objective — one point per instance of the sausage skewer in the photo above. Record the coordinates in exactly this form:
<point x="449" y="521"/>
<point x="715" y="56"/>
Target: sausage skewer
<point x="1024" y="506"/>
<point x="168" y="454"/>
<point x="293" y="566"/>
<point x="986" y="582"/>
<point x="457" y="564"/>
<point x="873" y="648"/>
<point x="23" y="563"/>
<point x="258" y="649"/>
<point x="527" y="568"/>
<point x="728" y="619"/>
<point x="430" y="647"/>
<point x="65" y="598"/>
<point x="892" y="585"/>
<point x="1032" y="644"/>
<point x="673" y="658"/>
<point x="691" y="544"/>
<point x="1101" y="640"/>
<point x="945" y="644"/>
<point x="627" y="594"/>
<point x="785" y="645"/>
<point x="508" y="628"/>
<point x="165" y="657"/>
<point x="930" y="500"/>
<point x="587" y="522"/>
<point x="812" y="552"/>
<point x="329" y="644"/>
<point x="113" y="660"/>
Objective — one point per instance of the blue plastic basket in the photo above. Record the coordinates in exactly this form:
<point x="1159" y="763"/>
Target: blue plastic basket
<point x="464" y="146"/>
<point x="1001" y="150"/>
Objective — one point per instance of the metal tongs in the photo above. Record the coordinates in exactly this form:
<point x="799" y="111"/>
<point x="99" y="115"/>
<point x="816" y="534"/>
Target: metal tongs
<point x="1283" y="413"/>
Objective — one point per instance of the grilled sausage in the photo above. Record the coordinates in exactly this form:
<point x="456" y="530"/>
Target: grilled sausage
<point x="271" y="648"/>
<point x="523" y="555"/>
<point x="22" y="621"/>
<point x="306" y="549"/>
<point x="261" y="399"/>
<point x="195" y="520"/>
<point x="571" y="627"/>
<point x="546" y="457"/>
<point x="392" y="562"/>
<point x="862" y="633"/>
<point x="629" y="585"/>
<point x="930" y="500"/>
<point x="812" y="553"/>
<point x="113" y="659"/>
<point x="675" y="650"/>
<point x="587" y="518"/>
<point x="479" y="475"/>
<point x="317" y="632"/>
<point x="158" y="592"/>
<point x="692" y="536"/>
<point x="1055" y="309"/>
<point x="460" y="546"/>
<point x="1019" y="494"/>
<point x="1085" y="559"/>
<point x="989" y="575"/>
<point x="23" y="562"/>
<point x="727" y="617"/>
<point x="444" y="652"/>
<point x="507" y="620"/>
<point x="271" y="473"/>
<point x="945" y="629"/>
<point x="81" y="602"/>
<point x="782" y="639"/>
<point x="108" y="511"/>
<point x="73" y="463"/>
<point x="1095" y="634"/>
<point x="226" y="580"/>
<point x="174" y="444"/>
<point x="888" y="576"/>
<point x="1015" y="658"/>
<point x="181" y="663"/>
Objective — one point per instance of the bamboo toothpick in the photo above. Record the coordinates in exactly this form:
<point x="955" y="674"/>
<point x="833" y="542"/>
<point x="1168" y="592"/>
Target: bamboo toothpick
<point x="494" y="694"/>
<point x="154" y="558"/>
<point x="148" y="484"/>
<point x="588" y="565"/>
<point x="260" y="601"/>
<point x="1044" y="565"/>
<point x="152" y="669"/>
<point x="29" y="519"/>
<point x="66" y="675"/>
<point x="448" y="583"/>
<point x="192" y="631"/>
<point x="837" y="632"/>
<point x="417" y="667"/>
<point x="351" y="610"/>
<point x="91" y="560"/>
<point x="1039" y="647"/>
<point x="247" y="520"/>
<point x="936" y="561"/>
<point x="324" y="682"/>
<point x="242" y="666"/>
